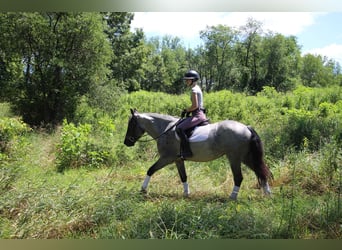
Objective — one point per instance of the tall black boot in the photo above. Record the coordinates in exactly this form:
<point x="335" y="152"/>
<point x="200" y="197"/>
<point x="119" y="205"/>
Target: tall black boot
<point x="185" y="151"/>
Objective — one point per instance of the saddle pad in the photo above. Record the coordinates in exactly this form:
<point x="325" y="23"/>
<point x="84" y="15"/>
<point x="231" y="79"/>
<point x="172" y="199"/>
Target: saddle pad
<point x="199" y="134"/>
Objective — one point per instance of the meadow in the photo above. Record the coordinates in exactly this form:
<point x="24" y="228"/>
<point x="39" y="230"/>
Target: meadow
<point x="80" y="181"/>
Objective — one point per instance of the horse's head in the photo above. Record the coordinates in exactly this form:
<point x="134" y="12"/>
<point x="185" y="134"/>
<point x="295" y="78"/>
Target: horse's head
<point x="134" y="130"/>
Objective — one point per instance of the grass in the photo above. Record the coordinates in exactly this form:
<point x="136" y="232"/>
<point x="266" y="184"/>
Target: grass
<point x="102" y="201"/>
<point x="105" y="202"/>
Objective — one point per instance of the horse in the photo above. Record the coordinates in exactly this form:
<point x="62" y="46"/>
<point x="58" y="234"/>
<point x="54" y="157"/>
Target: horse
<point x="240" y="144"/>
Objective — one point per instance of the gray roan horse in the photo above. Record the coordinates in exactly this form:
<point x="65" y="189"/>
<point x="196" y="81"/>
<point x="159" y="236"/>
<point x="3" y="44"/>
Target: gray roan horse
<point x="240" y="143"/>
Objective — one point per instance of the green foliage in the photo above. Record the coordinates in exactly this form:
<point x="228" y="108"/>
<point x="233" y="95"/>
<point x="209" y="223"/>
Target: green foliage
<point x="38" y="202"/>
<point x="62" y="55"/>
<point x="317" y="72"/>
<point x="307" y="118"/>
<point x="5" y="110"/>
<point x="77" y="147"/>
<point x="72" y="148"/>
<point x="316" y="120"/>
<point x="11" y="129"/>
<point x="49" y="62"/>
<point x="60" y="65"/>
<point x="13" y="142"/>
<point x="128" y="48"/>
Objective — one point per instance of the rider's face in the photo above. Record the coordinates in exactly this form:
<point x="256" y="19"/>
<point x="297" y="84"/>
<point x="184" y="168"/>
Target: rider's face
<point x="188" y="82"/>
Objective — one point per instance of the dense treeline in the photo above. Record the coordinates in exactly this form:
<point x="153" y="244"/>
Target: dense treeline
<point x="51" y="61"/>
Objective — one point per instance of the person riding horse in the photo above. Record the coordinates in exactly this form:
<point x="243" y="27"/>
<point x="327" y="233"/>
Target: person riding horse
<point x="197" y="113"/>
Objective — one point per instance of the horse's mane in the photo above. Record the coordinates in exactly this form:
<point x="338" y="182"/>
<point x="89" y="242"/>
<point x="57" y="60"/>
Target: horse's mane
<point x="164" y="117"/>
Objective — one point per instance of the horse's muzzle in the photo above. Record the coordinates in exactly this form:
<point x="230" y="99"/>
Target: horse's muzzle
<point x="129" y="141"/>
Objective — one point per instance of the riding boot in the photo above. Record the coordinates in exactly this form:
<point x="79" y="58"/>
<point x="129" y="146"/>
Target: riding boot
<point x="185" y="151"/>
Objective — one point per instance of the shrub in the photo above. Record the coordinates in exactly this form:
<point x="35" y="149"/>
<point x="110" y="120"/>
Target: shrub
<point x="11" y="145"/>
<point x="71" y="151"/>
<point x="78" y="147"/>
<point x="10" y="131"/>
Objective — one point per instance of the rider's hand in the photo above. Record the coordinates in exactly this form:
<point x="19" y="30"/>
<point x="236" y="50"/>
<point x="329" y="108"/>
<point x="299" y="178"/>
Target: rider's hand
<point x="183" y="113"/>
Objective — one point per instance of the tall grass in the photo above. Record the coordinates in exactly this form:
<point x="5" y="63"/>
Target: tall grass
<point x="103" y="200"/>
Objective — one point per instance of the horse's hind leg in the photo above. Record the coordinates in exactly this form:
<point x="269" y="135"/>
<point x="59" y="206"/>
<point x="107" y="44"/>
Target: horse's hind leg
<point x="235" y="165"/>
<point x="261" y="171"/>
<point x="182" y="174"/>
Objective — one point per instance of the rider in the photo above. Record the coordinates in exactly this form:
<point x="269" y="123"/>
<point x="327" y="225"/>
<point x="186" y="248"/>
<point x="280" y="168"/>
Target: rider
<point x="196" y="109"/>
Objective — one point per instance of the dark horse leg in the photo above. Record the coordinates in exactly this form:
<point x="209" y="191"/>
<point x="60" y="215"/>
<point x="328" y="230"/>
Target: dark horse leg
<point x="235" y="165"/>
<point x="182" y="174"/>
<point x="162" y="162"/>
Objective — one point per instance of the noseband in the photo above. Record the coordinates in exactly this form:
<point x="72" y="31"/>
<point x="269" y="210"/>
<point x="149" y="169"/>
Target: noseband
<point x="133" y="123"/>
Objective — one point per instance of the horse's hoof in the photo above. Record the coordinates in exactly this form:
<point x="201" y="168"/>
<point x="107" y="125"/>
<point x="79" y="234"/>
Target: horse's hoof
<point x="233" y="198"/>
<point x="143" y="191"/>
<point x="186" y="195"/>
<point x="268" y="195"/>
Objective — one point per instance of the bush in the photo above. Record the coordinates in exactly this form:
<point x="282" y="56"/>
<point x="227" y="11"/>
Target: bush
<point x="78" y="147"/>
<point x="71" y="151"/>
<point x="10" y="131"/>
<point x="12" y="143"/>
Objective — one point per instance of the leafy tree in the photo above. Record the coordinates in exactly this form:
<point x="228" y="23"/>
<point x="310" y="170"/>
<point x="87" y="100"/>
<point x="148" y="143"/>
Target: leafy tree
<point x="280" y="59"/>
<point x="248" y="53"/>
<point x="333" y="71"/>
<point x="10" y="59"/>
<point x="154" y="68"/>
<point x="219" y="43"/>
<point x="62" y="55"/>
<point x="313" y="73"/>
<point x="129" y="50"/>
<point x="165" y="66"/>
<point x="173" y="54"/>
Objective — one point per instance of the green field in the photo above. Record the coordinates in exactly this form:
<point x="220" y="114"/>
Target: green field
<point x="80" y="181"/>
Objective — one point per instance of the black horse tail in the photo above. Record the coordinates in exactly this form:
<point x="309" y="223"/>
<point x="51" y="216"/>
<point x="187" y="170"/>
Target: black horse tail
<point x="257" y="163"/>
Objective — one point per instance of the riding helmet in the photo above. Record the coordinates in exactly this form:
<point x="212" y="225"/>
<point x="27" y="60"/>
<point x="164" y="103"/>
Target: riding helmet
<point x="191" y="75"/>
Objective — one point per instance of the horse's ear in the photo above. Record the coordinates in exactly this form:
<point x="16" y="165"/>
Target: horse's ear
<point x="133" y="111"/>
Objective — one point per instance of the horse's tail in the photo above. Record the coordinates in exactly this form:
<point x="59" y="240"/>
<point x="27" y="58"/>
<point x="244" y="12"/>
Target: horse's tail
<point x="257" y="163"/>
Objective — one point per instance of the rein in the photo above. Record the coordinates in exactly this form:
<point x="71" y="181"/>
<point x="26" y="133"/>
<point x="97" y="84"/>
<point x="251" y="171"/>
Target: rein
<point x="166" y="131"/>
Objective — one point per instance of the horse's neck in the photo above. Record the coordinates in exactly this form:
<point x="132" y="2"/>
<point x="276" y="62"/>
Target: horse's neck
<point x="155" y="124"/>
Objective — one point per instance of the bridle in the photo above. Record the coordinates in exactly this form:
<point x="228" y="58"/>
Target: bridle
<point x="134" y="139"/>
<point x="134" y="122"/>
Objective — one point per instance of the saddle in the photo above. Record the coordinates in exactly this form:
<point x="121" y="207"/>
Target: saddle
<point x="190" y="131"/>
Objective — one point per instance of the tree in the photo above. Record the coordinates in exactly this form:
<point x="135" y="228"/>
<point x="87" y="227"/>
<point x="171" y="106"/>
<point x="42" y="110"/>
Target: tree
<point x="165" y="66"/>
<point x="248" y="54"/>
<point x="196" y="59"/>
<point x="173" y="55"/>
<point x="219" y="42"/>
<point x="130" y="52"/>
<point x="62" y="55"/>
<point x="10" y="59"/>
<point x="312" y="72"/>
<point x="280" y="60"/>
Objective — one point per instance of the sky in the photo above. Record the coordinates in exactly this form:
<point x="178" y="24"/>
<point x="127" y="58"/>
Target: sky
<point x="318" y="33"/>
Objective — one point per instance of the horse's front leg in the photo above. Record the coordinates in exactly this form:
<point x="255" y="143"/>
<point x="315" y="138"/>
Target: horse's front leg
<point x="162" y="162"/>
<point x="182" y="174"/>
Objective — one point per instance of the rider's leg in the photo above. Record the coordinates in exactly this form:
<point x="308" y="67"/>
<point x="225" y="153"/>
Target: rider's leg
<point x="185" y="145"/>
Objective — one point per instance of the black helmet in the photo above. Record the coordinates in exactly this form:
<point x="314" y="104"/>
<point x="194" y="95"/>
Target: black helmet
<point x="192" y="75"/>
